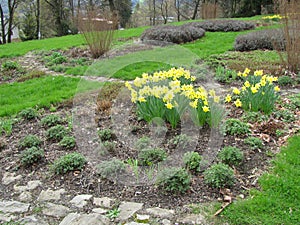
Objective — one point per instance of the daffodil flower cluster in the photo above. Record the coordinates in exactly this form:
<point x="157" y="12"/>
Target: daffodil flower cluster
<point x="169" y="94"/>
<point x="258" y="93"/>
<point x="272" y="18"/>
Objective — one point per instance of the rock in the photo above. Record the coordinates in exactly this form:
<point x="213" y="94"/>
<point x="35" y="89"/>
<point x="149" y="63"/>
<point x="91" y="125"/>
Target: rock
<point x="127" y="210"/>
<point x="86" y="219"/>
<point x="161" y="213"/>
<point x="135" y="223"/>
<point x="32" y="220"/>
<point x="142" y="218"/>
<point x="50" y="195"/>
<point x="166" y="222"/>
<point x="25" y="196"/>
<point x="55" y="210"/>
<point x="104" y="202"/>
<point x="193" y="219"/>
<point x="10" y="178"/>
<point x="7" y="217"/>
<point x="80" y="200"/>
<point x="13" y="207"/>
<point x="99" y="211"/>
<point x="31" y="185"/>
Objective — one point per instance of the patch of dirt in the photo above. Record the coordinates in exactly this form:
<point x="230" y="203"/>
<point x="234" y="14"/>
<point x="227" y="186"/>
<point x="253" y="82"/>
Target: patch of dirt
<point x="88" y="181"/>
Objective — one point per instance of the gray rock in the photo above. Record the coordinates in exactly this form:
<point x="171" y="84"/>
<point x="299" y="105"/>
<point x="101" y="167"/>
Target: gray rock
<point x="86" y="219"/>
<point x="55" y="210"/>
<point x="161" y="213"/>
<point x="25" y="196"/>
<point x="7" y="217"/>
<point x="10" y="178"/>
<point x="104" y="202"/>
<point x="32" y="220"/>
<point x="99" y="211"/>
<point x="135" y="223"/>
<point x="13" y="207"/>
<point x="142" y="218"/>
<point x="50" y="195"/>
<point x="166" y="222"/>
<point x="31" y="185"/>
<point x="128" y="209"/>
<point x="80" y="200"/>
<point x="192" y="219"/>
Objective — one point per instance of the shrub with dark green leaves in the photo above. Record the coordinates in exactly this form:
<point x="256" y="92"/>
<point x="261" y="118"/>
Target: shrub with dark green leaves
<point x="263" y="39"/>
<point x="105" y="134"/>
<point x="192" y="161"/>
<point x="236" y="127"/>
<point x="30" y="141"/>
<point x="70" y="162"/>
<point x="173" y="34"/>
<point x="181" y="140"/>
<point x="223" y="25"/>
<point x="68" y="142"/>
<point x="31" y="155"/>
<point x="56" y="133"/>
<point x="285" y="81"/>
<point x="56" y="58"/>
<point x="150" y="156"/>
<point x="285" y="115"/>
<point x="173" y="179"/>
<point x="219" y="176"/>
<point x="224" y="75"/>
<point x="51" y="120"/>
<point x="231" y="156"/>
<point x="254" y="142"/>
<point x="28" y="114"/>
<point x="9" y="65"/>
<point x="111" y="168"/>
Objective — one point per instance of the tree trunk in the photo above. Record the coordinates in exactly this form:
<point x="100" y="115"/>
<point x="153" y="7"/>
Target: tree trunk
<point x="2" y="26"/>
<point x="12" y="5"/>
<point x="177" y="7"/>
<point x="196" y="9"/>
<point x="38" y="13"/>
<point x="154" y="13"/>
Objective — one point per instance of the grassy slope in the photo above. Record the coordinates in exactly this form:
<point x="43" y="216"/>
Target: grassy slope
<point x="41" y="92"/>
<point x="278" y="202"/>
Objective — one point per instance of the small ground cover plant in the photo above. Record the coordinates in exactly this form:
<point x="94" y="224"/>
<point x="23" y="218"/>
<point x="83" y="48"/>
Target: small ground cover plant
<point x="181" y="140"/>
<point x="175" y="180"/>
<point x="31" y="155"/>
<point x="111" y="168"/>
<point x="219" y="175"/>
<point x="28" y="114"/>
<point x="30" y="141"/>
<point x="56" y="133"/>
<point x="150" y="156"/>
<point x="231" y="155"/>
<point x="236" y="127"/>
<point x="51" y="120"/>
<point x="254" y="143"/>
<point x="192" y="161"/>
<point x="68" y="142"/>
<point x="105" y="134"/>
<point x="68" y="162"/>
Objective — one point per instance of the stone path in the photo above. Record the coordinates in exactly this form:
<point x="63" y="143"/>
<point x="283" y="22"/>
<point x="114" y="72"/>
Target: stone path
<point x="32" y="205"/>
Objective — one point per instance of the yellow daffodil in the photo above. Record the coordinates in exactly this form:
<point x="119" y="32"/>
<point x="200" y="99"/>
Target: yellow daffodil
<point x="212" y="92"/>
<point x="169" y="105"/>
<point x="276" y="88"/>
<point x="228" y="98"/>
<point x="238" y="103"/>
<point x="205" y="108"/>
<point x="236" y="91"/>
<point x="247" y="84"/>
<point x="216" y="99"/>
<point x="258" y="73"/>
<point x="194" y="104"/>
<point x="254" y="90"/>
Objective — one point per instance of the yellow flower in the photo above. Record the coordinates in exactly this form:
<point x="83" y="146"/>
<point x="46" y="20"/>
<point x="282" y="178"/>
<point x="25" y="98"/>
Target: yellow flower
<point x="244" y="88"/>
<point x="254" y="90"/>
<point x="212" y="93"/>
<point x="205" y="102"/>
<point x="240" y="74"/>
<point x="217" y="99"/>
<point x="236" y="91"/>
<point x="193" y="78"/>
<point x="247" y="71"/>
<point x="228" y="98"/>
<point x="205" y="109"/>
<point x="169" y="105"/>
<point x="141" y="99"/>
<point x="247" y="84"/>
<point x="276" y="88"/>
<point x="263" y="82"/>
<point x="258" y="72"/>
<point x="238" y="103"/>
<point x="194" y="104"/>
<point x="168" y="97"/>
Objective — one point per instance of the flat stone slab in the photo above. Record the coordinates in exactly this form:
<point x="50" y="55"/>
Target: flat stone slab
<point x="128" y="209"/>
<point x="142" y="218"/>
<point x="84" y="219"/>
<point x="192" y="219"/>
<point x="13" y="207"/>
<point x="55" y="210"/>
<point x="7" y="217"/>
<point x="32" y="220"/>
<point x="135" y="223"/>
<point x="49" y="195"/>
<point x="161" y="213"/>
<point x="80" y="200"/>
<point x="104" y="202"/>
<point x="99" y="211"/>
<point x="9" y="178"/>
<point x="25" y="196"/>
<point x="31" y="185"/>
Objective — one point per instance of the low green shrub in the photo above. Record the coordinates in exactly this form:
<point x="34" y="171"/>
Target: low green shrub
<point x="30" y="141"/>
<point x="56" y="58"/>
<point x="285" y="115"/>
<point x="9" y="65"/>
<point x="285" y="81"/>
<point x="219" y="176"/>
<point x="224" y="75"/>
<point x="150" y="156"/>
<point x="109" y="146"/>
<point x="68" y="142"/>
<point x="254" y="143"/>
<point x="51" y="120"/>
<point x="31" y="155"/>
<point x="223" y="25"/>
<point x="181" y="140"/>
<point x="28" y="114"/>
<point x="105" y="134"/>
<point x="111" y="168"/>
<point x="192" y="161"/>
<point x="236" y="127"/>
<point x="6" y="126"/>
<point x="56" y="133"/>
<point x="173" y="179"/>
<point x="69" y="162"/>
<point x="142" y="143"/>
<point x="231" y="156"/>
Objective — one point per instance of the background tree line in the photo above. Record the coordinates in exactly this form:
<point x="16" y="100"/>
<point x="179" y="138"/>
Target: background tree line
<point x="47" y="18"/>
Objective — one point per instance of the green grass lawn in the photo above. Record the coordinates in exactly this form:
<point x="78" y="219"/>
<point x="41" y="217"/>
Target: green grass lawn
<point x="40" y="92"/>
<point x="278" y="202"/>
